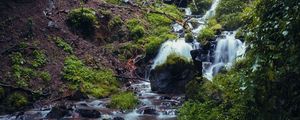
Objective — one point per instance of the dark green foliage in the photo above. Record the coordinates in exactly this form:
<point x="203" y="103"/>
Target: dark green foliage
<point x="16" y="101"/>
<point x="117" y="2"/>
<point x="98" y="83"/>
<point x="124" y="100"/>
<point x="17" y="58"/>
<point x="189" y="37"/>
<point x="115" y="23"/>
<point x="40" y="59"/>
<point x="136" y="30"/>
<point x="200" y="6"/>
<point x="229" y="13"/>
<point x="64" y="45"/>
<point x="82" y="20"/>
<point x="45" y="76"/>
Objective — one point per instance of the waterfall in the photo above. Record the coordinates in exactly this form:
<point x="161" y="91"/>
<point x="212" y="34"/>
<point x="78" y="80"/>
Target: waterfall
<point x="179" y="47"/>
<point x="228" y="49"/>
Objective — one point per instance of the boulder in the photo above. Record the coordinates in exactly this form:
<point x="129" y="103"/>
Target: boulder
<point x="89" y="113"/>
<point x="57" y="112"/>
<point x="118" y="118"/>
<point x="172" y="76"/>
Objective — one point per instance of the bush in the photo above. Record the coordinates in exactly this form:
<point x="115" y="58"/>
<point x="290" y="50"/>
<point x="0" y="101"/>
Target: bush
<point x="98" y="83"/>
<point x="115" y="23"/>
<point x="124" y="100"/>
<point x="189" y="37"/>
<point x="40" y="59"/>
<point x="64" y="45"/>
<point x="83" y="20"/>
<point x="16" y="101"/>
<point x="205" y="35"/>
<point x="200" y="6"/>
<point x="229" y="13"/>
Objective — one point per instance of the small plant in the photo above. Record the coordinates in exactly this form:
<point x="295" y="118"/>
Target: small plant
<point x="83" y="20"/>
<point x="17" y="58"/>
<point x="189" y="37"/>
<point x="16" y="101"/>
<point x="64" y="45"/>
<point x="115" y="22"/>
<point x="39" y="59"/>
<point x="45" y="76"/>
<point x="124" y="100"/>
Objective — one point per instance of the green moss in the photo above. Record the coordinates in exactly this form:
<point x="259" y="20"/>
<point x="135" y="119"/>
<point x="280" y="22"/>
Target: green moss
<point x="40" y="59"/>
<point x="16" y="101"/>
<point x="124" y="100"/>
<point x="135" y="28"/>
<point x="171" y="10"/>
<point x="176" y="61"/>
<point x="158" y="20"/>
<point x="115" y="22"/>
<point x="82" y="20"/>
<point x="98" y="83"/>
<point x="153" y="45"/>
<point x="62" y="44"/>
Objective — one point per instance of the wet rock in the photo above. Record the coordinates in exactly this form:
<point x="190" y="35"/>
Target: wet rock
<point x="150" y="111"/>
<point x="118" y="118"/>
<point x="57" y="112"/>
<point x="172" y="77"/>
<point x="165" y="98"/>
<point x="179" y="3"/>
<point x="88" y="113"/>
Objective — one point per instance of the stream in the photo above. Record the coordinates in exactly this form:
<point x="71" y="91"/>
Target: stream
<point x="153" y="106"/>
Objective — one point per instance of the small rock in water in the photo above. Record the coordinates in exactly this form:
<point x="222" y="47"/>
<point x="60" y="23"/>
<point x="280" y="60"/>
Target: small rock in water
<point x="89" y="113"/>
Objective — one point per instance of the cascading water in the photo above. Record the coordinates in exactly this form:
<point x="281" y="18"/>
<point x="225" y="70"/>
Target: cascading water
<point x="224" y="54"/>
<point x="227" y="50"/>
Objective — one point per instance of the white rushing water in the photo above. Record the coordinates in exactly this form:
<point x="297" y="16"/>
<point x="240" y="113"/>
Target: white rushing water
<point x="227" y="49"/>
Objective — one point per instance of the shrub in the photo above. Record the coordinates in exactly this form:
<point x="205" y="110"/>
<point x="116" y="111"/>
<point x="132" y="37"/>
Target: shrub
<point x="16" y="101"/>
<point x="40" y="59"/>
<point x="83" y="20"/>
<point x="200" y="6"/>
<point x="115" y="22"/>
<point x="45" y="76"/>
<point x="64" y="45"/>
<point x="205" y="35"/>
<point x="17" y="58"/>
<point x="98" y="83"/>
<point x="189" y="37"/>
<point x="124" y="100"/>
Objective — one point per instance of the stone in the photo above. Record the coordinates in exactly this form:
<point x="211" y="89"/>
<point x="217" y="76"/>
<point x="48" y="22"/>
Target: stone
<point x="172" y="77"/>
<point x="57" y="112"/>
<point x="118" y="118"/>
<point x="77" y="96"/>
<point x="89" y="113"/>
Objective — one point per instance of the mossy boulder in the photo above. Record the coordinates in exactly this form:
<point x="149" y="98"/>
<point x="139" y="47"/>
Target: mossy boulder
<point x="173" y="75"/>
<point x="124" y="100"/>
